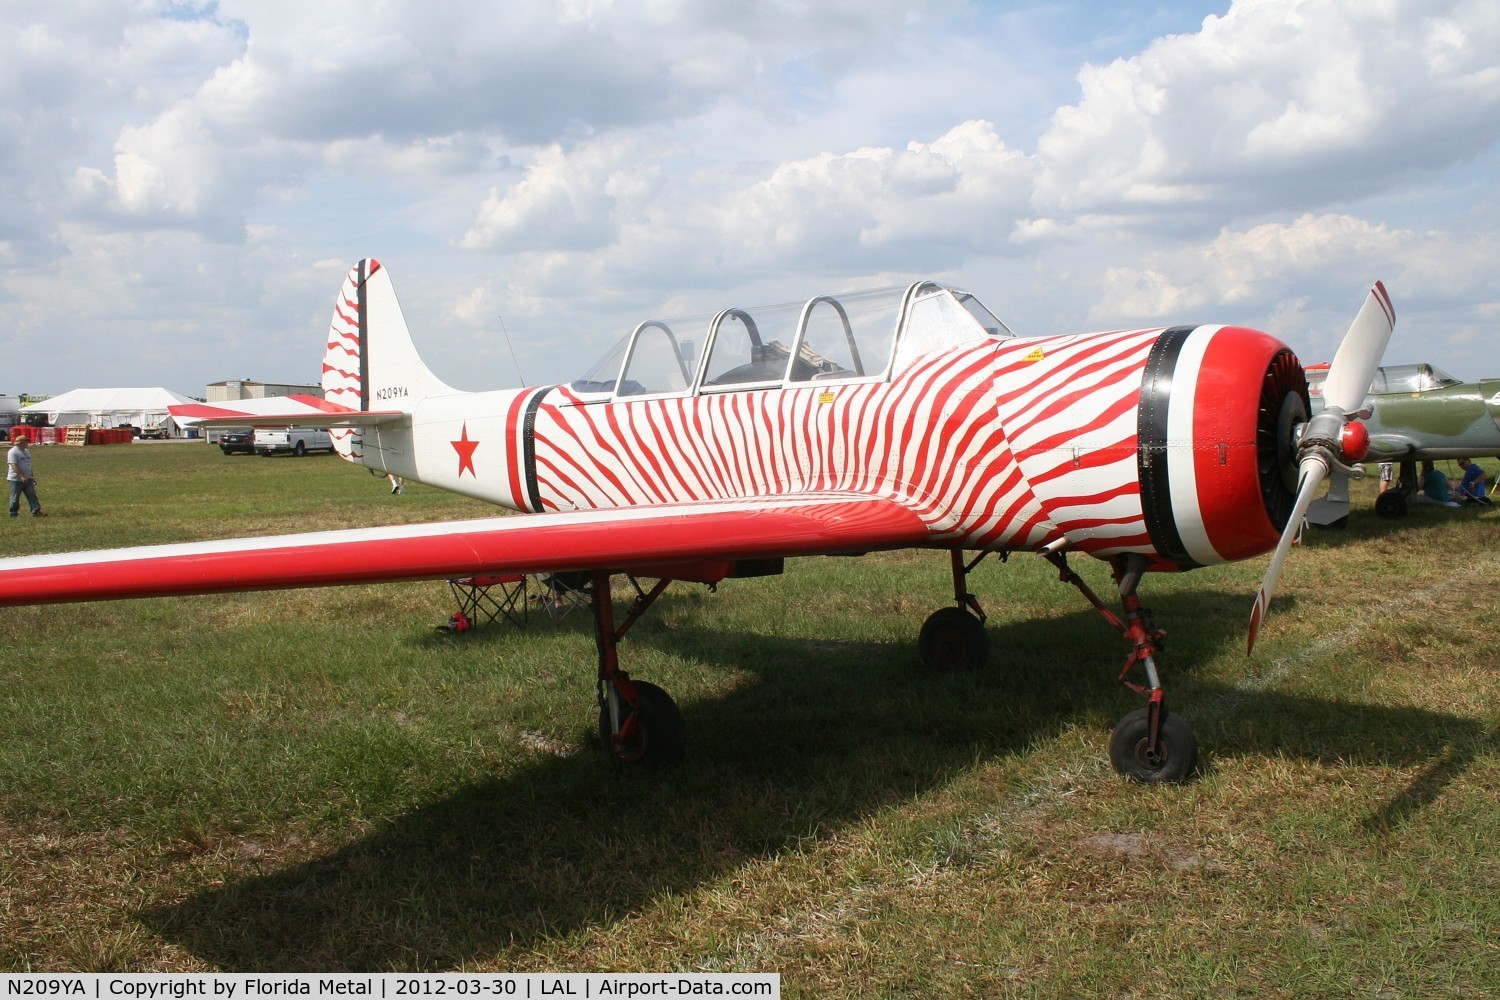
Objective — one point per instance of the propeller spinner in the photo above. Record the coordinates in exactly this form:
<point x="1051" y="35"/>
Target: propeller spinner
<point x="1332" y="439"/>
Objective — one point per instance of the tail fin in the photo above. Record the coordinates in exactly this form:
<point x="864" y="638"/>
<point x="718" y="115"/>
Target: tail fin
<point x="371" y="362"/>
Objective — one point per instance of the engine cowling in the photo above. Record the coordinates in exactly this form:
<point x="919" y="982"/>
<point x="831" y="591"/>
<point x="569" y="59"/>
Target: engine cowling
<point x="1219" y="412"/>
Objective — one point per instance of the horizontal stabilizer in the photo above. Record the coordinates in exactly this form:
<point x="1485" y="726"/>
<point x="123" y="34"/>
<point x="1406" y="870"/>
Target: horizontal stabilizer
<point x="282" y="411"/>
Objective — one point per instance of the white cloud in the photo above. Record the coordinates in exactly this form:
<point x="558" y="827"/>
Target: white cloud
<point x="940" y="201"/>
<point x="71" y="75"/>
<point x="1249" y="266"/>
<point x="1288" y="258"/>
<point x="1303" y="281"/>
<point x="293" y="78"/>
<point x="1277" y="105"/>
<point x="566" y="201"/>
<point x="572" y="165"/>
<point x="609" y="214"/>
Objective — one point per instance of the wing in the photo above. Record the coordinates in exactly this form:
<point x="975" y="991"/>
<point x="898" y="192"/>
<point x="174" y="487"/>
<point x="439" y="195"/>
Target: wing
<point x="680" y="541"/>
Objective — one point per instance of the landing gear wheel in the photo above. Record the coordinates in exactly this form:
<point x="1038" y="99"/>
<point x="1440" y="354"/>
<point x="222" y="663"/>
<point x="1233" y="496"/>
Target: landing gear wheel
<point x="1175" y="756"/>
<point x="953" y="639"/>
<point x="1390" y="504"/>
<point x="657" y="739"/>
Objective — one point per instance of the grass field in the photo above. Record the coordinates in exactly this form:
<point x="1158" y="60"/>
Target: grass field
<point x="317" y="780"/>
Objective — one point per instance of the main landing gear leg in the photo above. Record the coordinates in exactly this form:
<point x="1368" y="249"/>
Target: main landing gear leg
<point x="1150" y="744"/>
<point x="954" y="638"/>
<point x="639" y="723"/>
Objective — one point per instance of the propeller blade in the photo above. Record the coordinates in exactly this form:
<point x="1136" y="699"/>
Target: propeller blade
<point x="1359" y="354"/>
<point x="1314" y="470"/>
<point x="1321" y="448"/>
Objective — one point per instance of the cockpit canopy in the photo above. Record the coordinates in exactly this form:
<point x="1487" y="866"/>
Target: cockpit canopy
<point x="853" y="336"/>
<point x="1391" y="378"/>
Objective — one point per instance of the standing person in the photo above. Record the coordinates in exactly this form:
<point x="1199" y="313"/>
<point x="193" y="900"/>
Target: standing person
<point x="19" y="478"/>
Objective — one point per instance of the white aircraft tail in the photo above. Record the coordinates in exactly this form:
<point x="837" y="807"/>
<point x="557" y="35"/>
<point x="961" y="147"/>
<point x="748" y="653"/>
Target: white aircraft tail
<point x="371" y="362"/>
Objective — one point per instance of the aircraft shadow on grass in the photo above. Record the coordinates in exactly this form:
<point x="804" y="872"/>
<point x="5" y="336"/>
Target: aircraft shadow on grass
<point x="824" y="735"/>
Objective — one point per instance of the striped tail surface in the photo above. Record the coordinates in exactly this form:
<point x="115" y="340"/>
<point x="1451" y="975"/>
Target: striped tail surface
<point x="370" y="361"/>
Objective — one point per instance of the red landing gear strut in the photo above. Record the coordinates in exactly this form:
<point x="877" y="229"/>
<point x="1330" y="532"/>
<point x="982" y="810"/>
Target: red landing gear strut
<point x="639" y="723"/>
<point x="1150" y="744"/>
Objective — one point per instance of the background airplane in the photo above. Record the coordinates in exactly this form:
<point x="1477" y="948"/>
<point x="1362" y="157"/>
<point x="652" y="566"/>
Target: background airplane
<point x="1417" y="413"/>
<point x="838" y="425"/>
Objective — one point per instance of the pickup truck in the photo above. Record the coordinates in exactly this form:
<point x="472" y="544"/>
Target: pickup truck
<point x="291" y="440"/>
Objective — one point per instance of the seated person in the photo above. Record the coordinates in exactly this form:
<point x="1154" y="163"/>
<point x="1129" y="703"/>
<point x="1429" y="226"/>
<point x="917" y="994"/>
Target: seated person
<point x="1471" y="487"/>
<point x="1432" y="487"/>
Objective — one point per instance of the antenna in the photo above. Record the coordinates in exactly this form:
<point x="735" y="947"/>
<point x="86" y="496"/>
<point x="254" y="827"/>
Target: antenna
<point x="514" y="360"/>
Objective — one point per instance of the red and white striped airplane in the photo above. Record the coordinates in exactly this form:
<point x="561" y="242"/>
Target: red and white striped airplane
<point x="839" y="425"/>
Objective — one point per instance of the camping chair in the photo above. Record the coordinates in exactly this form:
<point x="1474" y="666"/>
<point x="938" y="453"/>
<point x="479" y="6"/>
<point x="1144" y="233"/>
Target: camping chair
<point x="560" y="594"/>
<point x="485" y="599"/>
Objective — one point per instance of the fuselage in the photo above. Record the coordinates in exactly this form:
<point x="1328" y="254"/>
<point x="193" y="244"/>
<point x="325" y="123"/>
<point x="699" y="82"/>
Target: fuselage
<point x="1173" y="443"/>
<point x="1455" y="421"/>
<point x="1418" y="412"/>
<point x="1144" y="441"/>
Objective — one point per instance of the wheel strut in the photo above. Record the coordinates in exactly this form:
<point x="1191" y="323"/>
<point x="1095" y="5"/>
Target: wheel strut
<point x="1145" y="746"/>
<point x="961" y="571"/>
<point x="638" y="722"/>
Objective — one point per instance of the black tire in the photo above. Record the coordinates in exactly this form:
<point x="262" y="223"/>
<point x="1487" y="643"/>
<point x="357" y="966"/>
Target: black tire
<point x="1177" y="748"/>
<point x="953" y="639"/>
<point x="299" y="449"/>
<point x="1390" y="504"/>
<point x="660" y="735"/>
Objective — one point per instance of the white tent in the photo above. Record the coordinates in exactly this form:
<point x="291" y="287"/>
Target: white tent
<point x="111" y="408"/>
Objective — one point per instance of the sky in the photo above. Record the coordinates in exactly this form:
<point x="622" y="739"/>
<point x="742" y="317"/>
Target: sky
<point x="186" y="183"/>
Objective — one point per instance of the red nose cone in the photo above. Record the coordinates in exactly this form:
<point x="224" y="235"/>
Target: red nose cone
<point x="1354" y="441"/>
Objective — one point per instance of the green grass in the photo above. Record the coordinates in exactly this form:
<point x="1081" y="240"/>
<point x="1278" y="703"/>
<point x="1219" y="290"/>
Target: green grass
<point x="318" y="780"/>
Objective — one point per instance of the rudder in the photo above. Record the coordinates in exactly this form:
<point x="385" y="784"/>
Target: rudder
<point x="370" y="362"/>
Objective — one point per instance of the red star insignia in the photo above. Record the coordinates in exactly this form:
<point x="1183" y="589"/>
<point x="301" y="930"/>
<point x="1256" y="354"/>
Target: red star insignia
<point x="465" y="449"/>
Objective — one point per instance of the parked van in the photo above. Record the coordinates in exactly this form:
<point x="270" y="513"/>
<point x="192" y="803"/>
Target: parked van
<point x="291" y="440"/>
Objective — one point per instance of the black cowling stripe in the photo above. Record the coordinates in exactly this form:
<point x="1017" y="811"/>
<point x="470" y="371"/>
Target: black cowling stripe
<point x="528" y="448"/>
<point x="1151" y="455"/>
